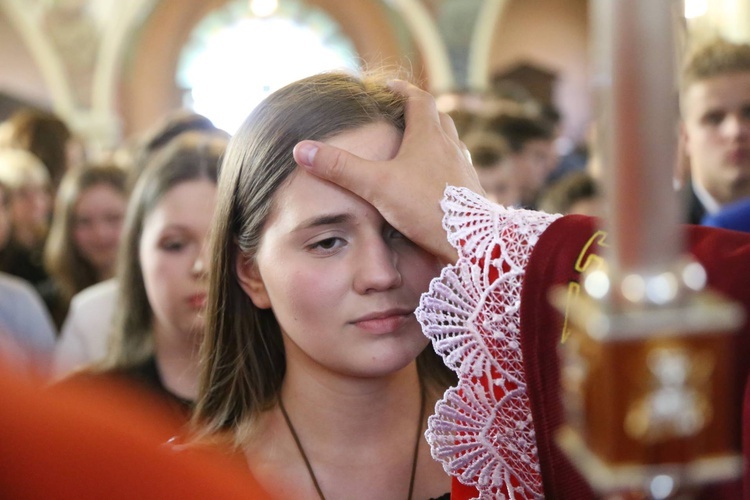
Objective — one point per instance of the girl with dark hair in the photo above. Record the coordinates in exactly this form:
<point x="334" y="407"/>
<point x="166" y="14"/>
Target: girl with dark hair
<point x="314" y="365"/>
<point x="161" y="273"/>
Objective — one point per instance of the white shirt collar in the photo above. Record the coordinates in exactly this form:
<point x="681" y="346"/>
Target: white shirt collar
<point x="709" y="202"/>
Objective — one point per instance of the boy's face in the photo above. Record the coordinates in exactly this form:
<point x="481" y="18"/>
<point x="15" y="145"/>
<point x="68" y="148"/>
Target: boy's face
<point x="499" y="183"/>
<point x="532" y="166"/>
<point x="30" y="209"/>
<point x="716" y="131"/>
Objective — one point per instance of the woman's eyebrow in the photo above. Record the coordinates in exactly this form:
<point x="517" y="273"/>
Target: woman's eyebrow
<point x="176" y="227"/>
<point x="323" y="220"/>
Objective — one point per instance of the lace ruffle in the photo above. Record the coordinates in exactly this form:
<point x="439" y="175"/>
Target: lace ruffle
<point x="482" y="430"/>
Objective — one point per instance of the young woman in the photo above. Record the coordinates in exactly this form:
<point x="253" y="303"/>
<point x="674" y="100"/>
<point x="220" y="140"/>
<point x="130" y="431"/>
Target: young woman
<point x="82" y="245"/>
<point x="162" y="275"/>
<point x="314" y="364"/>
<point x="29" y="184"/>
<point x="91" y="311"/>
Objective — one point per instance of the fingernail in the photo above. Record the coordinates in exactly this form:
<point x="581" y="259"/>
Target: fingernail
<point x="307" y="153"/>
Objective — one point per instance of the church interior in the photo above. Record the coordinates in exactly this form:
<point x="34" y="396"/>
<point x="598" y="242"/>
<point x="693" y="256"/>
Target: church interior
<point x="576" y="108"/>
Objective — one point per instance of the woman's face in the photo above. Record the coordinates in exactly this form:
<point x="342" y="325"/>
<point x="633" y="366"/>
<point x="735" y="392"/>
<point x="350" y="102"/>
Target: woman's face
<point x="31" y="208"/>
<point x="342" y="283"/>
<point x="97" y="223"/>
<point x="172" y="252"/>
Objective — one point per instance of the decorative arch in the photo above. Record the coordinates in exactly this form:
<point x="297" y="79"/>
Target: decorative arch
<point x="481" y="43"/>
<point x="148" y="87"/>
<point x="304" y="35"/>
<point x="430" y="42"/>
<point x="43" y="52"/>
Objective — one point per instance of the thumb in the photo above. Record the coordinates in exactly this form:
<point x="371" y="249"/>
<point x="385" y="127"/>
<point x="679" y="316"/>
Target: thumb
<point x="332" y="164"/>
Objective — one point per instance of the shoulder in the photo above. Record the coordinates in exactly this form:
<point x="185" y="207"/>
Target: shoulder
<point x="735" y="216"/>
<point x="23" y="312"/>
<point x="95" y="295"/>
<point x="120" y="386"/>
<point x="18" y="297"/>
<point x="12" y="287"/>
<point x="90" y="318"/>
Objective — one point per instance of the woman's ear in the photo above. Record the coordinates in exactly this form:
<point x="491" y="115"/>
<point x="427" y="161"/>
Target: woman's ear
<point x="252" y="282"/>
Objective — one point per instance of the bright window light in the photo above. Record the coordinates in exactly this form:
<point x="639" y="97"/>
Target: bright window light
<point x="695" y="8"/>
<point x="264" y="8"/>
<point x="241" y="63"/>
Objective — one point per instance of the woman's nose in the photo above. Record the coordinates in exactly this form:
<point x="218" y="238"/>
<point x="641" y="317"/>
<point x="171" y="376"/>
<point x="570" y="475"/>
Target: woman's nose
<point x="200" y="264"/>
<point x="377" y="268"/>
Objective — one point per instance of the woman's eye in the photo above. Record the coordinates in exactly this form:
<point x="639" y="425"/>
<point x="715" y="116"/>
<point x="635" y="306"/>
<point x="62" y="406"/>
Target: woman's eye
<point x="394" y="233"/>
<point x="327" y="244"/>
<point x="172" y="245"/>
<point x="395" y="237"/>
<point x="713" y="118"/>
<point x="82" y="222"/>
<point x="113" y="219"/>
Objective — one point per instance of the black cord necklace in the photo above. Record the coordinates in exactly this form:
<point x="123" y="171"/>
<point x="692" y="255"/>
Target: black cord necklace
<point x="307" y="461"/>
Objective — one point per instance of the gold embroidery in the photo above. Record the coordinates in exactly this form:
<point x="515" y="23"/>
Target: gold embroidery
<point x="591" y="258"/>
<point x="587" y="260"/>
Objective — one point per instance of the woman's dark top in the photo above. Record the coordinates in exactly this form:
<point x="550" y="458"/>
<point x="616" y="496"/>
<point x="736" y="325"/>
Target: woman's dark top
<point x="141" y="383"/>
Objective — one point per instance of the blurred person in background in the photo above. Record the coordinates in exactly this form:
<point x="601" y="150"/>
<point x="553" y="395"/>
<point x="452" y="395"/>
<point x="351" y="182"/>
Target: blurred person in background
<point x="489" y="155"/>
<point x="570" y="157"/>
<point x="30" y="210"/>
<point x="575" y="193"/>
<point x="27" y="334"/>
<point x="88" y="326"/>
<point x="82" y="245"/>
<point x="715" y="128"/>
<point x="531" y="143"/>
<point x="162" y="266"/>
<point x="45" y="135"/>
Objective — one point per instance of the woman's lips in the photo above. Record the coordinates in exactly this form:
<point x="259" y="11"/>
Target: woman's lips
<point x="383" y="323"/>
<point x="739" y="156"/>
<point x="197" y="301"/>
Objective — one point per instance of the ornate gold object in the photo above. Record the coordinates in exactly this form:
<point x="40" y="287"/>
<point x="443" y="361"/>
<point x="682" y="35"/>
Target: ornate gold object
<point x="648" y="391"/>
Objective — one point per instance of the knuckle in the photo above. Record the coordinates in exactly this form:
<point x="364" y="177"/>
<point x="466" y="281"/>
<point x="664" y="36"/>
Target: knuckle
<point x="337" y="165"/>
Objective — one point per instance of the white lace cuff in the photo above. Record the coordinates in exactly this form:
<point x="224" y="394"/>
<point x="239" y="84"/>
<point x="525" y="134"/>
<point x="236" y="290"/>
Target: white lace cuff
<point x="482" y="431"/>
